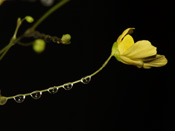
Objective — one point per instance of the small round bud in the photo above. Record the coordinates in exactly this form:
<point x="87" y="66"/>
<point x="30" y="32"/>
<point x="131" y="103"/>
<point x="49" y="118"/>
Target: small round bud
<point x="29" y="19"/>
<point x="39" y="45"/>
<point x="3" y="100"/>
<point x="66" y="39"/>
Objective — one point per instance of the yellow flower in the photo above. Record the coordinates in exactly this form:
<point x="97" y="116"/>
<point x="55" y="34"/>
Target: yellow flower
<point x="141" y="54"/>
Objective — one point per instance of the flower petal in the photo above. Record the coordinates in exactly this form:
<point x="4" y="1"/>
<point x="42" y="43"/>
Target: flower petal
<point x="125" y="32"/>
<point x="125" y="44"/>
<point x="157" y="61"/>
<point x="129" y="61"/>
<point x="141" y="49"/>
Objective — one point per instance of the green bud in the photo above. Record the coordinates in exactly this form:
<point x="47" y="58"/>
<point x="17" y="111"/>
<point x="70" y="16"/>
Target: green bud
<point x="3" y="100"/>
<point x="66" y="39"/>
<point x="29" y="19"/>
<point x="19" y="21"/>
<point x="39" y="45"/>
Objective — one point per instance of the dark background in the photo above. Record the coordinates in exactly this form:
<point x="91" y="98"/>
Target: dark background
<point x="120" y="97"/>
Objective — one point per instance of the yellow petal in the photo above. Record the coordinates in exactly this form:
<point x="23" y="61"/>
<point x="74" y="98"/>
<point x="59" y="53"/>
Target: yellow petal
<point x="125" y="44"/>
<point x="129" y="61"/>
<point x="157" y="61"/>
<point x="141" y="49"/>
<point x="125" y="32"/>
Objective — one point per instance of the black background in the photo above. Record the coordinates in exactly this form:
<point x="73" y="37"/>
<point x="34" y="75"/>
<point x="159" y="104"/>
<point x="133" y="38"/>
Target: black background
<point x="120" y="97"/>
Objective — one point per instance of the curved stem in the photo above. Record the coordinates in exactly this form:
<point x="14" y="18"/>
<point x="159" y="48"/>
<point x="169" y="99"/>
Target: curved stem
<point x="2" y="50"/>
<point x="6" y="49"/>
<point x="4" y="53"/>
<point x="54" y="8"/>
<point x="105" y="63"/>
<point x="60" y="86"/>
<point x="25" y="44"/>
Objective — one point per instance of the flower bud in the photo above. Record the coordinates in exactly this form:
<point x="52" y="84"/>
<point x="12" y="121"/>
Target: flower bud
<point x="3" y="100"/>
<point x="29" y="19"/>
<point x="19" y="21"/>
<point x="39" y="45"/>
<point x="66" y="39"/>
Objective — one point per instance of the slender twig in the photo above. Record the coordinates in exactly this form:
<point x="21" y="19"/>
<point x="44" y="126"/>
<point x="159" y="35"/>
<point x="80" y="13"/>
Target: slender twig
<point x="15" y="40"/>
<point x="62" y="86"/>
<point x="6" y="49"/>
<point x="25" y="44"/>
<point x="2" y="50"/>
<point x="54" y="8"/>
<point x="105" y="63"/>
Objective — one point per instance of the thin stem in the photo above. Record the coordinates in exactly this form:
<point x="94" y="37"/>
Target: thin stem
<point x="25" y="44"/>
<point x="105" y="63"/>
<point x="4" y="53"/>
<point x="15" y="40"/>
<point x="54" y="8"/>
<point x="61" y="86"/>
<point x="2" y="50"/>
<point x="6" y="49"/>
<point x="17" y="28"/>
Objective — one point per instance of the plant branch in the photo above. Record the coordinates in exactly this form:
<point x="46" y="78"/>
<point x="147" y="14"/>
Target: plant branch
<point x="15" y="40"/>
<point x="105" y="63"/>
<point x="54" y="8"/>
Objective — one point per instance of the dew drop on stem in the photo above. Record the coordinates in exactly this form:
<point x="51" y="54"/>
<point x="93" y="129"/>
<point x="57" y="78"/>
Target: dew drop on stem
<point x="19" y="98"/>
<point x="36" y="94"/>
<point x="68" y="86"/>
<point x="86" y="80"/>
<point x="53" y="90"/>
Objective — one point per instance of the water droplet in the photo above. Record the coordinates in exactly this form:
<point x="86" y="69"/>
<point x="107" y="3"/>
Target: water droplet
<point x="86" y="80"/>
<point x="19" y="98"/>
<point x="36" y="94"/>
<point x="68" y="86"/>
<point x="53" y="90"/>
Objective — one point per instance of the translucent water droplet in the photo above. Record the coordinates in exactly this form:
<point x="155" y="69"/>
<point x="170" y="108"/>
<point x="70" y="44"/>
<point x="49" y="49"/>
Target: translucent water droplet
<point x="86" y="80"/>
<point x="36" y="94"/>
<point x="19" y="98"/>
<point x="68" y="86"/>
<point x="53" y="90"/>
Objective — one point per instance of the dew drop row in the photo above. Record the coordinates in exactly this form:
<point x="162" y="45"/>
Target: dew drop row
<point x="52" y="90"/>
